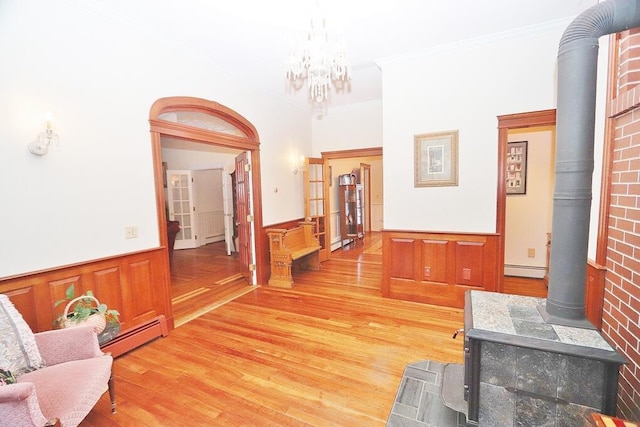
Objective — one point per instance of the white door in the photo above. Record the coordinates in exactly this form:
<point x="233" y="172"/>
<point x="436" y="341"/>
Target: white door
<point x="227" y="201"/>
<point x="208" y="207"/>
<point x="180" y="199"/>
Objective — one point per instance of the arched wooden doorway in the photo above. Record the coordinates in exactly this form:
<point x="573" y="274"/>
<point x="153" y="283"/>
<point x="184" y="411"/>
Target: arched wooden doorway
<point x="243" y="136"/>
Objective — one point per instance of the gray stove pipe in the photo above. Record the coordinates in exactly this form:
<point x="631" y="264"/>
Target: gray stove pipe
<point x="577" y="69"/>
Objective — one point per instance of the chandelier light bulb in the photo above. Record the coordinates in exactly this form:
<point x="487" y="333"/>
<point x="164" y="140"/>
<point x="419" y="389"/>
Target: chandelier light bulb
<point x="319" y="62"/>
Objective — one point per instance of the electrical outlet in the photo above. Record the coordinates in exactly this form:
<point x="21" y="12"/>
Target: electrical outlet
<point x="131" y="232"/>
<point x="531" y="252"/>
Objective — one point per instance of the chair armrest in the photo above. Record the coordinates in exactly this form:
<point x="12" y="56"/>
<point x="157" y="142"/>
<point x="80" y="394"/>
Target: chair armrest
<point x="15" y="392"/>
<point x="19" y="404"/>
<point x="63" y="345"/>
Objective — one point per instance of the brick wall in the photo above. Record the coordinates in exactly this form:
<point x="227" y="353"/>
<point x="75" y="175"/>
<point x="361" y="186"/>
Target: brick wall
<point x="621" y="309"/>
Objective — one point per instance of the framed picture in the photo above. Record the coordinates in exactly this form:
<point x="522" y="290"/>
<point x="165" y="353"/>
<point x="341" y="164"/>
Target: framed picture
<point x="516" y="174"/>
<point x="436" y="159"/>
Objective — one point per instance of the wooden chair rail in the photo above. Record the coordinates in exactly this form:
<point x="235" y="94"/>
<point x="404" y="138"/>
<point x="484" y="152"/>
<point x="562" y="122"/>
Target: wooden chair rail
<point x="289" y="245"/>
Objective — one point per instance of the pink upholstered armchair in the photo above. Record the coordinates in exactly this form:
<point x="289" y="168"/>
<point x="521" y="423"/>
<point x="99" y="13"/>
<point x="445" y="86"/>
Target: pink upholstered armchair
<point x="68" y="379"/>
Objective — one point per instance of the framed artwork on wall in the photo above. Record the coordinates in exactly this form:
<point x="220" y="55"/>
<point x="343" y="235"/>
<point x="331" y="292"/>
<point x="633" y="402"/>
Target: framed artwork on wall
<point x="516" y="170"/>
<point x="436" y="159"/>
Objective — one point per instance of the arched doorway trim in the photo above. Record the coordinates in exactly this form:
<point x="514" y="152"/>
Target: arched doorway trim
<point x="250" y="143"/>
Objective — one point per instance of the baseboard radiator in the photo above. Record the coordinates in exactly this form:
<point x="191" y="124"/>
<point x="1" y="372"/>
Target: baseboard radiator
<point x="524" y="271"/>
<point x="135" y="337"/>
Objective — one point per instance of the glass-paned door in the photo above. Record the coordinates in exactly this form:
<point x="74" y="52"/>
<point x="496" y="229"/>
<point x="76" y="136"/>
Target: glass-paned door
<point x="315" y="195"/>
<point x="180" y="200"/>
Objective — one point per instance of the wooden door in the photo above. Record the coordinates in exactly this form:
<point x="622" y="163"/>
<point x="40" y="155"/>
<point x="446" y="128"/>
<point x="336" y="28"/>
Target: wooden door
<point x="229" y="209"/>
<point x="208" y="204"/>
<point x="315" y="202"/>
<point x="180" y="197"/>
<point x="244" y="215"/>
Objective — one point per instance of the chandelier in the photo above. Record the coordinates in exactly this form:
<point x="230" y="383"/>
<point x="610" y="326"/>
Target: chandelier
<point x="319" y="61"/>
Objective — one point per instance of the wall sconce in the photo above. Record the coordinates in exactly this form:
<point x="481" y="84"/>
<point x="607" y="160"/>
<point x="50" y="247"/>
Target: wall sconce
<point x="300" y="165"/>
<point x="40" y="146"/>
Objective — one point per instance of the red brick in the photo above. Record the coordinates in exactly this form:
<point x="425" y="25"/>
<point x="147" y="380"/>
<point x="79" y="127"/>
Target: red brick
<point x="615" y="337"/>
<point x="620" y="188"/>
<point x="615" y="258"/>
<point x="624" y="225"/>
<point x="633" y="215"/>
<point x="634" y="329"/>
<point x="614" y="233"/>
<point x="634" y="355"/>
<point x="635" y="303"/>
<point x="623" y="272"/>
<point x="628" y="177"/>
<point x="620" y="165"/>
<point x="624" y="385"/>
<point x="620" y="295"/>
<point x="623" y="248"/>
<point x="617" y="212"/>
<point x="631" y="315"/>
<point x="632" y="264"/>
<point x="631" y="152"/>
<point x="613" y="278"/>
<point x="628" y="338"/>
<point x="631" y="128"/>
<point x="628" y="201"/>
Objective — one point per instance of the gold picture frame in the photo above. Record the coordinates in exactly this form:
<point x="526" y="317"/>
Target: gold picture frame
<point x="436" y="159"/>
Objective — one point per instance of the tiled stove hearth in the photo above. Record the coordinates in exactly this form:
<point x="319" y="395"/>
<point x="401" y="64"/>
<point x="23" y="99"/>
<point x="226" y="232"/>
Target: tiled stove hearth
<point x="521" y="371"/>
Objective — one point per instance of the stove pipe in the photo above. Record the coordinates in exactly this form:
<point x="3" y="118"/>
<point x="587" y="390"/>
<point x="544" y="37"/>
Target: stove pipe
<point x="577" y="68"/>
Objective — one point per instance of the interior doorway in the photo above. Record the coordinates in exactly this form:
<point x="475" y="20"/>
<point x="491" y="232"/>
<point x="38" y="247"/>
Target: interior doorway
<point x="345" y="161"/>
<point x="208" y="126"/>
<point x="506" y="123"/>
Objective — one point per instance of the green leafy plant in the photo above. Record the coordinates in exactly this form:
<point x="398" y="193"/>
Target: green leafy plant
<point x="83" y="308"/>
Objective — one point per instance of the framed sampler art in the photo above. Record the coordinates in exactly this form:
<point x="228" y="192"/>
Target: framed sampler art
<point x="516" y="171"/>
<point x="436" y="159"/>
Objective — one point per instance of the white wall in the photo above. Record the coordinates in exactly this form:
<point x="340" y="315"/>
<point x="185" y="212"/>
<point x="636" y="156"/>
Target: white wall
<point x="528" y="216"/>
<point x="100" y="75"/>
<point x="348" y="127"/>
<point x="462" y="86"/>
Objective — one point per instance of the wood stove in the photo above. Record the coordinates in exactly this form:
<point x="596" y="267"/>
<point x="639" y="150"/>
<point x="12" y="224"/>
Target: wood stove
<point x="520" y="370"/>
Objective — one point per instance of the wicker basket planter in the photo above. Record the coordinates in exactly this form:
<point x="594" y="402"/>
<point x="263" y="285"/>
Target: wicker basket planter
<point x="97" y="320"/>
<point x="86" y="310"/>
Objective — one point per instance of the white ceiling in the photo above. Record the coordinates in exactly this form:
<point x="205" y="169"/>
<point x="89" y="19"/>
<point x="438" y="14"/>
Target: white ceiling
<point x="251" y="39"/>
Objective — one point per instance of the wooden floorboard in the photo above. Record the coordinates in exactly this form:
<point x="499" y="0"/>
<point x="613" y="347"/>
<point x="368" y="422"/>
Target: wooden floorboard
<point x="329" y="352"/>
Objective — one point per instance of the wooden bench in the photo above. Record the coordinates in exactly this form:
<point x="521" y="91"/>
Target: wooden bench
<point x="288" y="245"/>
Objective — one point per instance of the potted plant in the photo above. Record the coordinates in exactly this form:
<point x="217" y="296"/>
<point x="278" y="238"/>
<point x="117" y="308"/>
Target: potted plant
<point x="85" y="310"/>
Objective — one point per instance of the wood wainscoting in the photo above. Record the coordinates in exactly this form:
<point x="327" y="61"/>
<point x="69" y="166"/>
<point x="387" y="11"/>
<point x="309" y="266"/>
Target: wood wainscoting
<point x="594" y="293"/>
<point x="136" y="284"/>
<point x="437" y="268"/>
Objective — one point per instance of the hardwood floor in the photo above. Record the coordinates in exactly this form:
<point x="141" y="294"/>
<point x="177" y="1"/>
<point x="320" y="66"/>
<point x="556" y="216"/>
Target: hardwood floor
<point x="330" y="351"/>
<point x="524" y="286"/>
<point x="203" y="279"/>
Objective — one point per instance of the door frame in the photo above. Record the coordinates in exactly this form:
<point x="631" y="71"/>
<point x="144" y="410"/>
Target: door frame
<point x="342" y="154"/>
<point x="505" y="123"/>
<point x="251" y="143"/>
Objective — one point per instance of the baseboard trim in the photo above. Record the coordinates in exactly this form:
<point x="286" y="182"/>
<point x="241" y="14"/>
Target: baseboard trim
<point x="137" y="336"/>
<point x="524" y="271"/>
